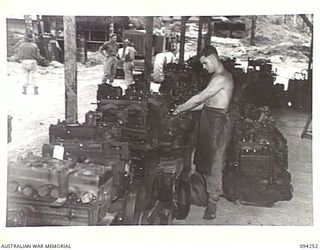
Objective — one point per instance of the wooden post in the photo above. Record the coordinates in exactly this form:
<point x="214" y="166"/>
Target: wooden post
<point x="310" y="25"/>
<point x="43" y="46"/>
<point x="294" y="20"/>
<point x="111" y="25"/>
<point x="182" y="38"/>
<point x="82" y="49"/>
<point x="310" y="65"/>
<point x="208" y="38"/>
<point x="148" y="50"/>
<point x="70" y="69"/>
<point x="40" y="26"/>
<point x="107" y="29"/>
<point x="28" y="22"/>
<point x="199" y="45"/>
<point x="253" y="29"/>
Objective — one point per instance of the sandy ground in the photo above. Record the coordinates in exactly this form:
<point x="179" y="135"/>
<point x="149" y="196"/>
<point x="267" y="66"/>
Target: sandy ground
<point x="32" y="116"/>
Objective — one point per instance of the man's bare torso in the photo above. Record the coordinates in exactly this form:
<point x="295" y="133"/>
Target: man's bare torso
<point x="223" y="97"/>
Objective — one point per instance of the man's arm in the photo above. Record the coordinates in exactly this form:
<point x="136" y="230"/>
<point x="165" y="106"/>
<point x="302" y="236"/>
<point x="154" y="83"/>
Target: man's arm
<point x="212" y="89"/>
<point x="16" y="46"/>
<point x="58" y="46"/>
<point x="198" y="107"/>
<point x="102" y="49"/>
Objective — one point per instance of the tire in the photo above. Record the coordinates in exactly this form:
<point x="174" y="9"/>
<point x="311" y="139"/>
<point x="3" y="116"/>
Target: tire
<point x="228" y="186"/>
<point x="158" y="67"/>
<point x="183" y="200"/>
<point x="160" y="61"/>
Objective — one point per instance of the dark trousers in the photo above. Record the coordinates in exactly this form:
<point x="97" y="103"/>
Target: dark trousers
<point x="210" y="149"/>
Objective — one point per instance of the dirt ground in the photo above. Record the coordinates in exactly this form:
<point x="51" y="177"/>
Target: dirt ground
<point x="32" y="116"/>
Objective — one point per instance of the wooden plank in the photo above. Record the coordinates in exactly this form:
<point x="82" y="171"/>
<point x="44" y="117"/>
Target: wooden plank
<point x="148" y="50"/>
<point x="182" y="38"/>
<point x="70" y="69"/>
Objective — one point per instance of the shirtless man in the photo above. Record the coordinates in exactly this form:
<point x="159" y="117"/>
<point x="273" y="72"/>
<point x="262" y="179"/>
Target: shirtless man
<point x="214" y="102"/>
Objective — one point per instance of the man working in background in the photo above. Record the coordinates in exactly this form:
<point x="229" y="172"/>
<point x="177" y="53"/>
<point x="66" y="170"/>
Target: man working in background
<point x="110" y="50"/>
<point x="28" y="54"/>
<point x="214" y="102"/>
<point x="129" y="54"/>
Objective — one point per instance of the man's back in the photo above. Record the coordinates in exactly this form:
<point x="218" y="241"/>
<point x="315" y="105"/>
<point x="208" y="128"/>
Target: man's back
<point x="27" y="51"/>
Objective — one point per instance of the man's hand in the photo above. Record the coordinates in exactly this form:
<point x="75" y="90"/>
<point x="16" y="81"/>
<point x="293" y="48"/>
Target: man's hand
<point x="178" y="110"/>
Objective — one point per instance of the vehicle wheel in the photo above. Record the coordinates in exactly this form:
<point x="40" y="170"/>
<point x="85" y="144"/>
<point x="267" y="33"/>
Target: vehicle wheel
<point x="228" y="186"/>
<point x="182" y="200"/>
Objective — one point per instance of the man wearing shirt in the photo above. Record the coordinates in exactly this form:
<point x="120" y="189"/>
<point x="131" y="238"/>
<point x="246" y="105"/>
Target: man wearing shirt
<point x="129" y="54"/>
<point x="28" y="54"/>
<point x="109" y="50"/>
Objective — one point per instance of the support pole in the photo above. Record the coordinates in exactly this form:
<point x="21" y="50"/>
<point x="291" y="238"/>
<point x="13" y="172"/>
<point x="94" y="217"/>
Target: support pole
<point x="148" y="50"/>
<point x="43" y="46"/>
<point x="28" y="23"/>
<point x="310" y="25"/>
<point x="70" y="69"/>
<point x="208" y="38"/>
<point x="182" y="38"/>
<point x="199" y="45"/>
<point x="308" y="133"/>
<point x="253" y="29"/>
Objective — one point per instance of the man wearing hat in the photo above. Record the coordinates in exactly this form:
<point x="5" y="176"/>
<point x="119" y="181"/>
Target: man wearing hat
<point x="110" y="50"/>
<point x="28" y="54"/>
<point x="129" y="54"/>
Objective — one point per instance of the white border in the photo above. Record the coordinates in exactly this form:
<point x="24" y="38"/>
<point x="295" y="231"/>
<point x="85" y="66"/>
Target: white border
<point x="220" y="237"/>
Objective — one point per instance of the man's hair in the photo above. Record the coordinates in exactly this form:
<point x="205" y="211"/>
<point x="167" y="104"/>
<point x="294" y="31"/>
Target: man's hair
<point x="210" y="50"/>
<point x="113" y="35"/>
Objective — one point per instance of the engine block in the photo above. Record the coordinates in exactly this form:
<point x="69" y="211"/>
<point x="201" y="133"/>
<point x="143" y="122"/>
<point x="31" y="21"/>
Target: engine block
<point x="257" y="170"/>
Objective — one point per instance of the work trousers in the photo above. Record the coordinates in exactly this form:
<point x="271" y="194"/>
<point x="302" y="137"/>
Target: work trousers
<point x="29" y="68"/>
<point x="210" y="150"/>
<point x="128" y="72"/>
<point x="109" y="68"/>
